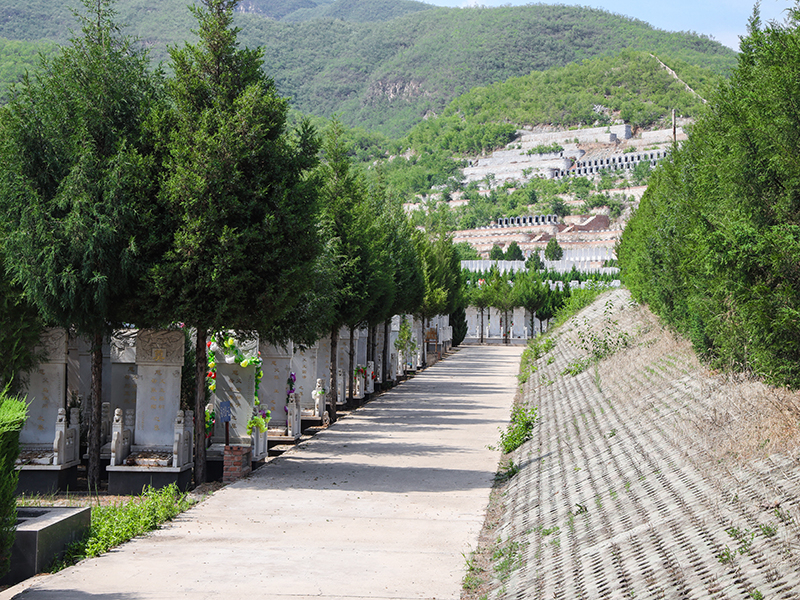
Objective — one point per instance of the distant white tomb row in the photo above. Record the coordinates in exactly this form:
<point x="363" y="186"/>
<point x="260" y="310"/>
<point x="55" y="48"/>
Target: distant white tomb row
<point x="147" y="437"/>
<point x="514" y="326"/>
<point x="602" y="150"/>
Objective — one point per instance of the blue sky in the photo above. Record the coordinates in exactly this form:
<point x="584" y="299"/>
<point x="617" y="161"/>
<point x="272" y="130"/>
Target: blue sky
<point x="724" y="20"/>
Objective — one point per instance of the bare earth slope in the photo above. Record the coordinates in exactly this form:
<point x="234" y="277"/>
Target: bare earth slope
<point x="648" y="476"/>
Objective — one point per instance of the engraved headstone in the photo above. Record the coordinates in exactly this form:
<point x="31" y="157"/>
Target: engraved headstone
<point x="276" y="367"/>
<point x="44" y="389"/>
<point x="123" y="370"/>
<point x="304" y="365"/>
<point x="159" y="358"/>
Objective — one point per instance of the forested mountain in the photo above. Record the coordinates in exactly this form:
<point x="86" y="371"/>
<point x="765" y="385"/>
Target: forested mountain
<point x="388" y="76"/>
<point x="18" y="57"/>
<point x="357" y="10"/>
<point x="387" y="64"/>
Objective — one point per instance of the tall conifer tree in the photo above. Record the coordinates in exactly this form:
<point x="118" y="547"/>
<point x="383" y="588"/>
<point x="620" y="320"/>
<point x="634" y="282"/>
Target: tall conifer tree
<point x="77" y="181"/>
<point x="243" y="207"/>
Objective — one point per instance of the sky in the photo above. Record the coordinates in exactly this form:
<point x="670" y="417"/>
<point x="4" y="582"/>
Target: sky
<point x="724" y="20"/>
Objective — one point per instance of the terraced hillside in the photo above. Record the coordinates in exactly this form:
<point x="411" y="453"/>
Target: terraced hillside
<point x="648" y="476"/>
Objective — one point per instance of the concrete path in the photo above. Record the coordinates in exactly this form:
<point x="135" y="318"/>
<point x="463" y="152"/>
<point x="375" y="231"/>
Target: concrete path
<point x="381" y="505"/>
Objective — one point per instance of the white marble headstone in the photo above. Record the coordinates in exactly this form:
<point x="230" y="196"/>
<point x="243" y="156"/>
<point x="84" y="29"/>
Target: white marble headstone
<point x="123" y="370"/>
<point x="304" y="366"/>
<point x="277" y="366"/>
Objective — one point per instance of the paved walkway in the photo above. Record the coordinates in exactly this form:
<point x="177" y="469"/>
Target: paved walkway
<point x="381" y="505"/>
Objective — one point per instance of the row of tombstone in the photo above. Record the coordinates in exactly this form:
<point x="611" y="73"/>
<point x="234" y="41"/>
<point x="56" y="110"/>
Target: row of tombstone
<point x="147" y="439"/>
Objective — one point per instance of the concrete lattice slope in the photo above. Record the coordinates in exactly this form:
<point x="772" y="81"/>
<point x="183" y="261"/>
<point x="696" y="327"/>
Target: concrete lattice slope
<point x="649" y="477"/>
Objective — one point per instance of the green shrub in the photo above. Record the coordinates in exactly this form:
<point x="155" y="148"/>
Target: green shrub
<point x="13" y="412"/>
<point x="537" y="347"/>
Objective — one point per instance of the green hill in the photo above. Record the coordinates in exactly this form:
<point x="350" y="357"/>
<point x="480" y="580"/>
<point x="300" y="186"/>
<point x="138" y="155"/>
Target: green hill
<point x="358" y="11"/>
<point x="387" y="64"/>
<point x="388" y="76"/>
<point x="632" y="86"/>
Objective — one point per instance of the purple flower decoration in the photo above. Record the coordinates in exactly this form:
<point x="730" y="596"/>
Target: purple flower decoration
<point x="293" y="377"/>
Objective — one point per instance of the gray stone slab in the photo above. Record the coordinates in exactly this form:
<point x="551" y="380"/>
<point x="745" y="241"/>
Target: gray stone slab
<point x="43" y="533"/>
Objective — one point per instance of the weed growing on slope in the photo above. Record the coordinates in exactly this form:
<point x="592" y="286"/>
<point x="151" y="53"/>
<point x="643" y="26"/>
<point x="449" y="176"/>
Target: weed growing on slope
<point x="537" y="348"/>
<point x="506" y="472"/>
<point x="472" y="578"/>
<point x="598" y="344"/>
<point x="519" y="430"/>
<point x="506" y="558"/>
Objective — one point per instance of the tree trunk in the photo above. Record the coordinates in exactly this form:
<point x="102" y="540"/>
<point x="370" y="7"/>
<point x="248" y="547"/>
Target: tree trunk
<point x="386" y="352"/>
<point x="333" y="389"/>
<point x="351" y="376"/>
<point x="482" y="325"/>
<point x="93" y="472"/>
<point x="370" y="344"/>
<point x="200" y="368"/>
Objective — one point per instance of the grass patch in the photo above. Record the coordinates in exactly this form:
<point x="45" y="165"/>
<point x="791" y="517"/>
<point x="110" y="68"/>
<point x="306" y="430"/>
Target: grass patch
<point x="506" y="558"/>
<point x="112" y="525"/>
<point x="472" y="578"/>
<point x="577" y="366"/>
<point x="506" y="472"/>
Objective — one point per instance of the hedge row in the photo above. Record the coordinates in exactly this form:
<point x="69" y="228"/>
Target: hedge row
<point x="13" y="412"/>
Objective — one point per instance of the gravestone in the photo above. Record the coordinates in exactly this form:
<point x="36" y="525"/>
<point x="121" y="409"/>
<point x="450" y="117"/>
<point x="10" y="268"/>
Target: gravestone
<point x="379" y="374"/>
<point x="48" y="458"/>
<point x="341" y="396"/>
<point x="369" y="386"/>
<point x="159" y="359"/>
<point x="123" y="370"/>
<point x="276" y="367"/>
<point x="304" y="365"/>
<point x="44" y="390"/>
<point x="161" y="452"/>
<point x="235" y="384"/>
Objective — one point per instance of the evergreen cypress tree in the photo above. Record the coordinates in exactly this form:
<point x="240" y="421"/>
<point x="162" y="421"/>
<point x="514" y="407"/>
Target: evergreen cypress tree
<point x="78" y="177"/>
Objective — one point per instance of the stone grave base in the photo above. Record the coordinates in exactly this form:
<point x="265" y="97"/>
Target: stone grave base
<point x="126" y="480"/>
<point x="307" y="421"/>
<point x="43" y="533"/>
<point x="105" y="460"/>
<point x="47" y="479"/>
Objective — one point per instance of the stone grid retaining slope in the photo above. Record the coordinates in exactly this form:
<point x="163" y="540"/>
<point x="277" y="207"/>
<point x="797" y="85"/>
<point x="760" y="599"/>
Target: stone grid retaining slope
<point x="616" y="498"/>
